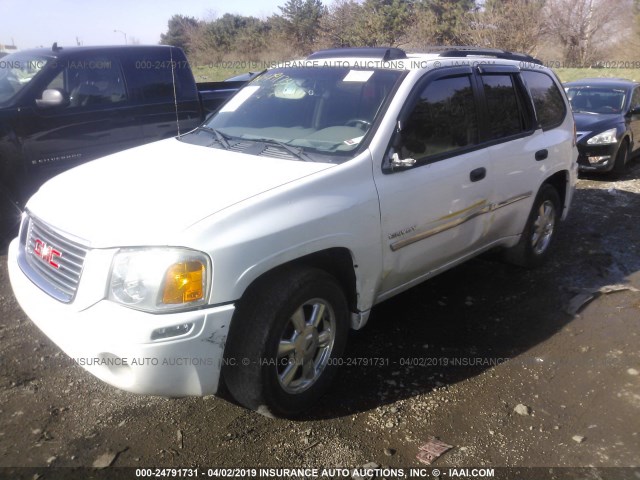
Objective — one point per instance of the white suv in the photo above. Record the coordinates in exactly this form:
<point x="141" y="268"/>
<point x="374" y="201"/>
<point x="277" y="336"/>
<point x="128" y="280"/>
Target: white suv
<point x="247" y="248"/>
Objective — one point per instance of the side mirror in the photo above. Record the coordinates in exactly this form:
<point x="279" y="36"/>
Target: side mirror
<point x="397" y="135"/>
<point x="53" y="97"/>
<point x="395" y="160"/>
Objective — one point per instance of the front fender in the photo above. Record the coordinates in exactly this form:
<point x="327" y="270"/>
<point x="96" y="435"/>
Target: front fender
<point x="334" y="208"/>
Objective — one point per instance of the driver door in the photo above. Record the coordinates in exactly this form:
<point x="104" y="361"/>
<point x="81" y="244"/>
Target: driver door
<point x="435" y="201"/>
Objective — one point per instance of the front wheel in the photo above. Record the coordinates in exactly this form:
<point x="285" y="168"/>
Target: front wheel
<point x="539" y="232"/>
<point x="622" y="156"/>
<point x="285" y="339"/>
<point x="10" y="216"/>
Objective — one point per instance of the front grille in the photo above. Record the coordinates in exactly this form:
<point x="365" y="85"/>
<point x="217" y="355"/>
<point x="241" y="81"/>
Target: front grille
<point x="55" y="261"/>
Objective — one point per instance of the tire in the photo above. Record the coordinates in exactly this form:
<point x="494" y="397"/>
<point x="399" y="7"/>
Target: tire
<point x="539" y="233"/>
<point x="622" y="156"/>
<point x="278" y="361"/>
<point x="10" y="216"/>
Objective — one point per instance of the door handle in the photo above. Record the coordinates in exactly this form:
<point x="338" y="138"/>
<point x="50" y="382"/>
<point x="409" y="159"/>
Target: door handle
<point x="477" y="174"/>
<point x="542" y="155"/>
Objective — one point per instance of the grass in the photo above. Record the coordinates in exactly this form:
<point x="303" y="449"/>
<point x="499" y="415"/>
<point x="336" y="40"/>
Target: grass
<point x="570" y="74"/>
<point x="214" y="73"/>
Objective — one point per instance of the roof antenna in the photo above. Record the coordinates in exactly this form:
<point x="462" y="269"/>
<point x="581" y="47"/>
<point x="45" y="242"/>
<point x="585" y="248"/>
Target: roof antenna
<point x="173" y="81"/>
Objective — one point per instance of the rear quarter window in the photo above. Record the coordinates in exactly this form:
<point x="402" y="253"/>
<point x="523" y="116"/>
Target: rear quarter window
<point x="153" y="74"/>
<point x="547" y="99"/>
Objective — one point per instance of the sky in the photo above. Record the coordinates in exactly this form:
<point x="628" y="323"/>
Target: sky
<point x="35" y="23"/>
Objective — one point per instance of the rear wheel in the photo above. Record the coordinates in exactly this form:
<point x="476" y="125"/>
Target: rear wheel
<point x="285" y="338"/>
<point x="539" y="232"/>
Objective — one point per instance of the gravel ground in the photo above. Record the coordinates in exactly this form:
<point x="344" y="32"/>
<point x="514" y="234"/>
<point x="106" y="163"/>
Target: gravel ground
<point x="503" y="366"/>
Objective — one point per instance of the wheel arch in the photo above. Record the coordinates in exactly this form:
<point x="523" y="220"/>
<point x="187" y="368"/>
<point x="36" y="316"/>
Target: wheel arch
<point x="560" y="181"/>
<point x="336" y="261"/>
<point x="10" y="215"/>
<point x="257" y="330"/>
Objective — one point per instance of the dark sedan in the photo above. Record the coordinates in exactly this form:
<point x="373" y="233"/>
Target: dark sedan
<point x="607" y="114"/>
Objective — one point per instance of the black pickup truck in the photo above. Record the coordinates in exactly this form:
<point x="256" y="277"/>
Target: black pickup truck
<point x="60" y="107"/>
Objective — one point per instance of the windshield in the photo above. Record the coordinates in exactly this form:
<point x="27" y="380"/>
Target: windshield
<point x="306" y="113"/>
<point x="16" y="71"/>
<point x="596" y="100"/>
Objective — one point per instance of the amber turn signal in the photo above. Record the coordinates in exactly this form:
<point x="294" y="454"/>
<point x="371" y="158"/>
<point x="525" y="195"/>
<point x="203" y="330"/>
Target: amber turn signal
<point x="184" y="283"/>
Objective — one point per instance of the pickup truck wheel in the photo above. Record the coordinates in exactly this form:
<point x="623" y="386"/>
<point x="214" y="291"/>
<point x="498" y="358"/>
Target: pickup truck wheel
<point x="9" y="220"/>
<point x="284" y="340"/>
<point x="539" y="232"/>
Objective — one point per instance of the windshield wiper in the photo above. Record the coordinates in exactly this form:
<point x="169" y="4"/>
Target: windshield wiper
<point x="298" y="152"/>
<point x="222" y="138"/>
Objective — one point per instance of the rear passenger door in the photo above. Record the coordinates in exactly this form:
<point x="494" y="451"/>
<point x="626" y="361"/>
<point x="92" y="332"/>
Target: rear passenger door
<point x="434" y="211"/>
<point x="518" y="150"/>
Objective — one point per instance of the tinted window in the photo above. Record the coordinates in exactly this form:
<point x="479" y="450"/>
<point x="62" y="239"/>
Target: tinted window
<point x="547" y="99"/>
<point x="505" y="117"/>
<point x="635" y="99"/>
<point x="444" y="119"/>
<point x="152" y="77"/>
<point x="91" y="81"/>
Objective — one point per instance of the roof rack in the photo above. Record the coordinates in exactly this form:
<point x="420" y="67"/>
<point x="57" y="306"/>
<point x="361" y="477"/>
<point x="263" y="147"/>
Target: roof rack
<point x="383" y="54"/>
<point x="464" y="51"/>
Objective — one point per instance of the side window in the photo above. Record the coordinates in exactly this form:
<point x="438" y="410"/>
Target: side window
<point x="58" y="82"/>
<point x="505" y="115"/>
<point x="547" y="99"/>
<point x="152" y="77"/>
<point x="444" y="119"/>
<point x="91" y="82"/>
<point x="635" y="98"/>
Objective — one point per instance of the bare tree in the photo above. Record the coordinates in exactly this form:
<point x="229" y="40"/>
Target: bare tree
<point x="515" y="25"/>
<point x="585" y="27"/>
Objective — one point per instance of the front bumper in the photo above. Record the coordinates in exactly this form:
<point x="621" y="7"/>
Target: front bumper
<point x="114" y="342"/>
<point x="596" y="158"/>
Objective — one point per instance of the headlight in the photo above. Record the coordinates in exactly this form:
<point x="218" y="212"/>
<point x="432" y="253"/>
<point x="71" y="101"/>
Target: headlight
<point x="159" y="279"/>
<point x="605" y="138"/>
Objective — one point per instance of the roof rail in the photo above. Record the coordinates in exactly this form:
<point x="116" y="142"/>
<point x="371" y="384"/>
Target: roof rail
<point x="383" y="54"/>
<point x="464" y="51"/>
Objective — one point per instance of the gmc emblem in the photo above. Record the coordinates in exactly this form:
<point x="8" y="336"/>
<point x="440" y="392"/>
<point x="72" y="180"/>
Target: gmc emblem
<point x="46" y="253"/>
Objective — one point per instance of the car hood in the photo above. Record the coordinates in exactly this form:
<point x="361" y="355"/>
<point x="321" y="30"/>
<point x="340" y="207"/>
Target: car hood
<point x="593" y="122"/>
<point x="149" y="194"/>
